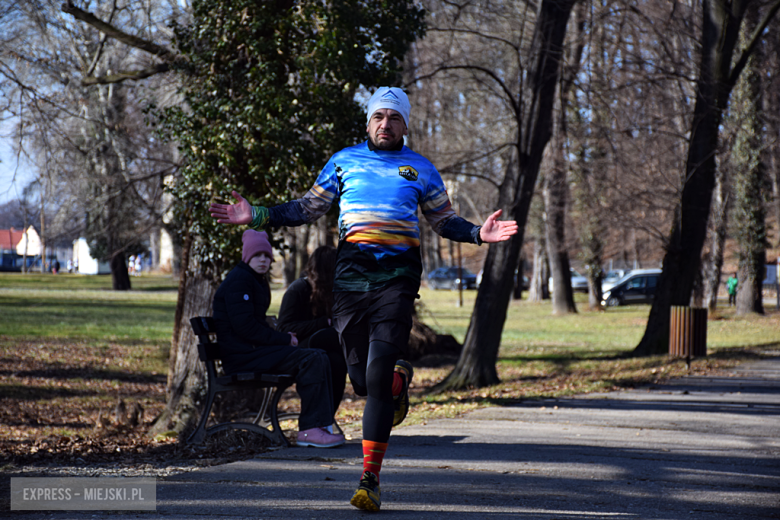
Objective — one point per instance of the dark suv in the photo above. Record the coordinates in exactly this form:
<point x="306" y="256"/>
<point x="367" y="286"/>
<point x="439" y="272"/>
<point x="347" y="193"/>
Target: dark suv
<point x="636" y="287"/>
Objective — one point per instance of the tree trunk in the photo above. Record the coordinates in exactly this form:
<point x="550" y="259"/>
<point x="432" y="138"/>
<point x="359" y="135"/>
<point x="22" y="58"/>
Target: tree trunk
<point x="477" y="363"/>
<point x="749" y="296"/>
<point x="555" y="195"/>
<point x="719" y="218"/>
<point x="431" y="247"/>
<point x="120" y="279"/>
<point x="539" y="289"/>
<point x="594" y="286"/>
<point x="772" y="114"/>
<point x="721" y="25"/>
<point x="186" y="380"/>
<point x="290" y="256"/>
<point x="747" y="157"/>
<point x="517" y="294"/>
<point x="697" y="293"/>
<point x="749" y="177"/>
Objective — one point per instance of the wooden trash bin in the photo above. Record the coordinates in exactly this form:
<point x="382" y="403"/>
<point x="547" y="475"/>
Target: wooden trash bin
<point x="687" y="332"/>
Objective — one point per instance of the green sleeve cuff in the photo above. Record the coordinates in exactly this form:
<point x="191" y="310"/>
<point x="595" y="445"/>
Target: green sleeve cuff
<point x="260" y="217"/>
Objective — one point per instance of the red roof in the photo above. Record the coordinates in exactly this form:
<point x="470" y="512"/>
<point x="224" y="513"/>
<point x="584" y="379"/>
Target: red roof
<point x="10" y="238"/>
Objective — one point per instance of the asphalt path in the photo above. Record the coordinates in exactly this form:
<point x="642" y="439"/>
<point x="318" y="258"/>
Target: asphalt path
<point x="693" y="448"/>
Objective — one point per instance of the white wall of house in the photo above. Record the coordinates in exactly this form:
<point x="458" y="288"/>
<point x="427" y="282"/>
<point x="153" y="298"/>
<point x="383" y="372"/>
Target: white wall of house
<point x="31" y="241"/>
<point x="87" y="264"/>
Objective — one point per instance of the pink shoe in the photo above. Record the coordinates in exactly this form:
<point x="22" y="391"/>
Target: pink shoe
<point x="319" y="438"/>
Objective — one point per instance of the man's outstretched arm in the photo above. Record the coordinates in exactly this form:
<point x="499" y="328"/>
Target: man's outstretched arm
<point x="294" y="213"/>
<point x="238" y="213"/>
<point x="494" y="230"/>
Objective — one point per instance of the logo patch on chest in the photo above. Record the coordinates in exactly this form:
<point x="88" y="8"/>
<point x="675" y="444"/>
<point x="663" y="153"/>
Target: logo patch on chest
<point x="408" y="173"/>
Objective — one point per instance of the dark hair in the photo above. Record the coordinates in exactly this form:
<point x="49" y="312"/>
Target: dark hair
<point x="319" y="272"/>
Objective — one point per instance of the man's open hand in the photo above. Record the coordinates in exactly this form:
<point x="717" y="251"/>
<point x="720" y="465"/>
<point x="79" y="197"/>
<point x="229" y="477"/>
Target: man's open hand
<point x="494" y="230"/>
<point x="238" y="213"/>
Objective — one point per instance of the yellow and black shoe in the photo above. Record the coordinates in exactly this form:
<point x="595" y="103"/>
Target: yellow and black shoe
<point x="368" y="495"/>
<point x="401" y="401"/>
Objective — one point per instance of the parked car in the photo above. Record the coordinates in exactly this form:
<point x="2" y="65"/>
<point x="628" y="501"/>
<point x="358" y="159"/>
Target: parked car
<point x="526" y="281"/>
<point x="449" y="278"/>
<point x="578" y="282"/>
<point x="612" y="278"/>
<point x="636" y="287"/>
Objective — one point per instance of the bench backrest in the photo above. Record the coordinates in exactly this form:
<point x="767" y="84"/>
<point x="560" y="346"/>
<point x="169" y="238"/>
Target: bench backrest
<point x="204" y="328"/>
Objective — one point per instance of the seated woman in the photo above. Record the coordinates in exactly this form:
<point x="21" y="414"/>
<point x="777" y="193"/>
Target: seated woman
<point x="306" y="310"/>
<point x="248" y="343"/>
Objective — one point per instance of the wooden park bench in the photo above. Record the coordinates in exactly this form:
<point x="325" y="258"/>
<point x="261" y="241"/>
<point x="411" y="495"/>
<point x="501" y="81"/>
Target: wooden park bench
<point x="266" y="421"/>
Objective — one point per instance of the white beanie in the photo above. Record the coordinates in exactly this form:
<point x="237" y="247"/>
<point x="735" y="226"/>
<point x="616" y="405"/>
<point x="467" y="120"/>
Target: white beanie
<point x="389" y="97"/>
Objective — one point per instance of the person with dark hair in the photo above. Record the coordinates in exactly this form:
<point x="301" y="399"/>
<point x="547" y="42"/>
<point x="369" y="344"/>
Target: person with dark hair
<point x="380" y="185"/>
<point x="307" y="310"/>
<point x="249" y="344"/>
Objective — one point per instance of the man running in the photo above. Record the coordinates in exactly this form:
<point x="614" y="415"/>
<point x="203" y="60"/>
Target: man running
<point x="379" y="184"/>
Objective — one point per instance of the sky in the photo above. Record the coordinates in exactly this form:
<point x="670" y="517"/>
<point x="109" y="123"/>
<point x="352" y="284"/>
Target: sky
<point x="11" y="188"/>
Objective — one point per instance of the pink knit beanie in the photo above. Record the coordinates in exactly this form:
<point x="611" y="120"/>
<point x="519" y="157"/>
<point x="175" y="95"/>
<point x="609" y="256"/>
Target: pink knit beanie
<point x="255" y="242"/>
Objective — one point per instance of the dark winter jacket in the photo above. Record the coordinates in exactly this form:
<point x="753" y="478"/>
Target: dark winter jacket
<point x="240" y="305"/>
<point x="295" y="314"/>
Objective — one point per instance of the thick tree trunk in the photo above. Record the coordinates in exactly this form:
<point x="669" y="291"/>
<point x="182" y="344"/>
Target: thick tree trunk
<point x="477" y="363"/>
<point x="187" y="377"/>
<point x="772" y="113"/>
<point x="752" y="272"/>
<point x="749" y="180"/>
<point x="683" y="252"/>
<point x="120" y="279"/>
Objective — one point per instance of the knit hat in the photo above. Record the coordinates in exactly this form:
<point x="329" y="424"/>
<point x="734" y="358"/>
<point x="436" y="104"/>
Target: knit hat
<point x="389" y="97"/>
<point x="255" y="242"/>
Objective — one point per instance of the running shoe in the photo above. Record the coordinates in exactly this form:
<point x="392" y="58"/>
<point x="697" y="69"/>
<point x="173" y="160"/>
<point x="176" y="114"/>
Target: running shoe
<point x="401" y="401"/>
<point x="368" y="496"/>
<point x="319" y="438"/>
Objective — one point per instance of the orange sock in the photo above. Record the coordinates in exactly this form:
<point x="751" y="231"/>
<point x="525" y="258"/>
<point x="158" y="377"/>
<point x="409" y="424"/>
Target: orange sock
<point x="373" y="454"/>
<point x="398" y="384"/>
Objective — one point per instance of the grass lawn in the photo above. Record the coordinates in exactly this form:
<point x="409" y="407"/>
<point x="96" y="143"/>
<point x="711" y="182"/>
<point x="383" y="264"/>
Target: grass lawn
<point x="70" y="349"/>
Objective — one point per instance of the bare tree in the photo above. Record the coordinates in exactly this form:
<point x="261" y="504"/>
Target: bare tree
<point x="99" y="166"/>
<point x="521" y="77"/>
<point x="718" y="72"/>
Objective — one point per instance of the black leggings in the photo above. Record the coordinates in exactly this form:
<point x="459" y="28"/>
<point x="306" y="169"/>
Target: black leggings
<point x="327" y="340"/>
<point x="374" y="379"/>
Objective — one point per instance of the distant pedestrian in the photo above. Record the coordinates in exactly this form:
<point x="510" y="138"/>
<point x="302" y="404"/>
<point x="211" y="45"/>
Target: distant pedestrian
<point x="55" y="266"/>
<point x="731" y="286"/>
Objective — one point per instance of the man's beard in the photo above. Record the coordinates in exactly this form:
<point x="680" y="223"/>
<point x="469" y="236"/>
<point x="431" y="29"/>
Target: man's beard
<point x="387" y="145"/>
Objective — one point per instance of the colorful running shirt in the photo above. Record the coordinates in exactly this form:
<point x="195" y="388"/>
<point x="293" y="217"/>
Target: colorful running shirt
<point x="378" y="192"/>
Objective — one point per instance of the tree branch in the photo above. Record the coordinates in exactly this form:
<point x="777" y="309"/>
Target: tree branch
<point x="113" y="32"/>
<point x="754" y="39"/>
<point x="127" y="75"/>
<point x="484" y="70"/>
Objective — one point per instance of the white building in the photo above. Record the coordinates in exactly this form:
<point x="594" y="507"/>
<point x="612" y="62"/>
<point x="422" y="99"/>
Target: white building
<point x="86" y="264"/>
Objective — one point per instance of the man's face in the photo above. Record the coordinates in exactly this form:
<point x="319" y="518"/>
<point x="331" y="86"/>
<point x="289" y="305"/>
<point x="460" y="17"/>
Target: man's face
<point x="386" y="128"/>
